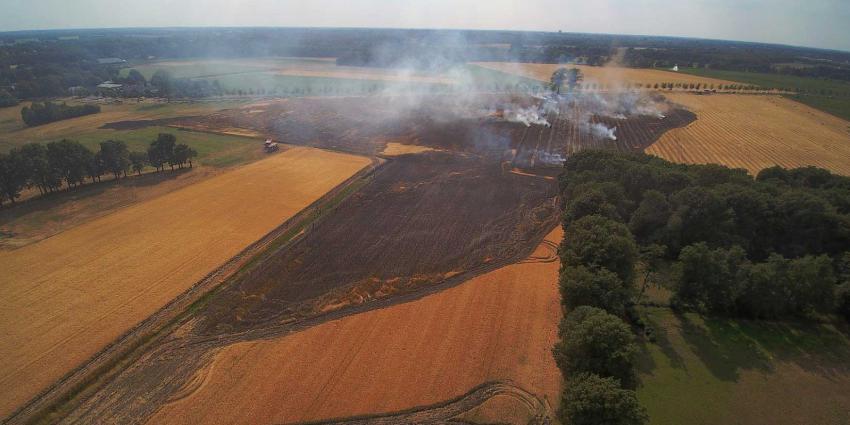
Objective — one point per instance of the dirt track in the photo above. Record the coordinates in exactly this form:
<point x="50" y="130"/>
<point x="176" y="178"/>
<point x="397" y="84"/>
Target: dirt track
<point x="66" y="297"/>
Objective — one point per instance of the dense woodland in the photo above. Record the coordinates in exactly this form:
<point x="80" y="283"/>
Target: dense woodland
<point x="44" y="64"/>
<point x="67" y="163"/>
<point x="725" y="243"/>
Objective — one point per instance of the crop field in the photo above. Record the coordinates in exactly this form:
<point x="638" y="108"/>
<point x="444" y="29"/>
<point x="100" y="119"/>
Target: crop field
<point x="499" y="326"/>
<point x="601" y="75"/>
<point x="292" y="76"/>
<point x="87" y="128"/>
<point x="830" y="96"/>
<point x="68" y="296"/>
<point x="367" y="125"/>
<point x="708" y="371"/>
<point x="755" y="132"/>
<point x="466" y="198"/>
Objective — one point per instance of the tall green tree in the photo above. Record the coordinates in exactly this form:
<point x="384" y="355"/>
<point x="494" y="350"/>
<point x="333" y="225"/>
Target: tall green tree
<point x="594" y="341"/>
<point x="599" y="241"/>
<point x="589" y="399"/>
<point x="116" y="157"/>
<point x="138" y="160"/>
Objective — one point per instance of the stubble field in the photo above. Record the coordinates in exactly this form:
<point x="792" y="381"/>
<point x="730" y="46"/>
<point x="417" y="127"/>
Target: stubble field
<point x="499" y="326"/>
<point x="66" y="297"/>
<point x="755" y="132"/>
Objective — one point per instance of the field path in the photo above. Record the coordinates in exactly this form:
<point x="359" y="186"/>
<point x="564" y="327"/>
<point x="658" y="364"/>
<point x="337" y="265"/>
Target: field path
<point x="499" y="326"/>
<point x="66" y="297"/>
<point x="755" y="132"/>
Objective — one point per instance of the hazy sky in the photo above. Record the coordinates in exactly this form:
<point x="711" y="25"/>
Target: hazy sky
<point x="818" y="23"/>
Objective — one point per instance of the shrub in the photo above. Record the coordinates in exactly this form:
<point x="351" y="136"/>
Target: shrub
<point x="590" y="399"/>
<point x="598" y="241"/>
<point x="595" y="287"/>
<point x="593" y="341"/>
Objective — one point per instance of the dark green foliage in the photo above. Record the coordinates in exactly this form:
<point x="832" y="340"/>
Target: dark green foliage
<point x="709" y="279"/>
<point x="138" y="160"/>
<point x="115" y="157"/>
<point x="13" y="176"/>
<point x="594" y="287"/>
<point x="161" y="151"/>
<point x="70" y="160"/>
<point x="649" y="220"/>
<point x="592" y="400"/>
<point x="590" y="202"/>
<point x="43" y="113"/>
<point x="594" y="341"/>
<point x="781" y="287"/>
<point x="183" y="154"/>
<point x="752" y="247"/>
<point x="601" y="242"/>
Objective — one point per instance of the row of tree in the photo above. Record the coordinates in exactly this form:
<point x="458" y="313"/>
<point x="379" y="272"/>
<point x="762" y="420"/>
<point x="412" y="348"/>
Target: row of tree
<point x="596" y="349"/>
<point x="50" y="167"/>
<point x="47" y="112"/>
<point x="768" y="247"/>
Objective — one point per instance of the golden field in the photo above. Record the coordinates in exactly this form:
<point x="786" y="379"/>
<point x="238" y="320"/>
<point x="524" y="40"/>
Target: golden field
<point x="498" y="326"/>
<point x="755" y="132"/>
<point x="67" y="296"/>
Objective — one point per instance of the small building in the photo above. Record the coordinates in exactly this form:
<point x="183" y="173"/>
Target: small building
<point x="109" y="88"/>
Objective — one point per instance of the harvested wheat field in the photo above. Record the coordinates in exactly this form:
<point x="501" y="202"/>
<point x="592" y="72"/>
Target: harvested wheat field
<point x="608" y="75"/>
<point x="755" y="132"/>
<point x="66" y="297"/>
<point x="499" y="326"/>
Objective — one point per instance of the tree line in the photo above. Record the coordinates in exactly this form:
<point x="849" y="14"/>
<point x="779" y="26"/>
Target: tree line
<point x="47" y="112"/>
<point x="773" y="246"/>
<point x="66" y="162"/>
<point x="777" y="245"/>
<point x="596" y="350"/>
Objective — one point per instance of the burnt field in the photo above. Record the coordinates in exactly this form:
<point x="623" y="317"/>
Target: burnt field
<point x="423" y="219"/>
<point x="484" y="197"/>
<point x="366" y="125"/>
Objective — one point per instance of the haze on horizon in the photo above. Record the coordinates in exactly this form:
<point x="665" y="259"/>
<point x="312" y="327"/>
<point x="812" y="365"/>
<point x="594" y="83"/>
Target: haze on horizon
<point x="818" y="23"/>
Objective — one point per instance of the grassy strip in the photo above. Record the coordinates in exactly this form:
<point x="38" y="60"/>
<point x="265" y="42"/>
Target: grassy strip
<point x="104" y="373"/>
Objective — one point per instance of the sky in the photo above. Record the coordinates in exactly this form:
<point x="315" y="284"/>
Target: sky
<point x="814" y="23"/>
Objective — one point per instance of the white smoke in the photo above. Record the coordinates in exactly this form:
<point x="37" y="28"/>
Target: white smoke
<point x="527" y="116"/>
<point x="599" y="130"/>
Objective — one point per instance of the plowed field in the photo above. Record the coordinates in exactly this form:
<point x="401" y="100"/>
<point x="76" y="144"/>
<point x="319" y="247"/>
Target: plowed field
<point x="755" y="132"/>
<point x="66" y="297"/>
<point x="498" y="326"/>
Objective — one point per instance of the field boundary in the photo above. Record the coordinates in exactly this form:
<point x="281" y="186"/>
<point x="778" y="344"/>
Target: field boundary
<point x="81" y="381"/>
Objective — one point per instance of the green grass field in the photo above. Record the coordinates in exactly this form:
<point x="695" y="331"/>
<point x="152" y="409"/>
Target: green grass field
<point x="816" y="92"/>
<point x="724" y="371"/>
<point x="256" y="76"/>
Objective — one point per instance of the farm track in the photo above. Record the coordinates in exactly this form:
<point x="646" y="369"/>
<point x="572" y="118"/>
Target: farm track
<point x="101" y="366"/>
<point x="448" y="411"/>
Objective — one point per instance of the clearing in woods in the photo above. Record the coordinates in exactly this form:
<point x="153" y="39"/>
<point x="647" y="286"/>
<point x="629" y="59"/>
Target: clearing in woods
<point x="705" y="371"/>
<point x="756" y="132"/>
<point x="499" y="326"/>
<point x="66" y="297"/>
<point x="608" y="75"/>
